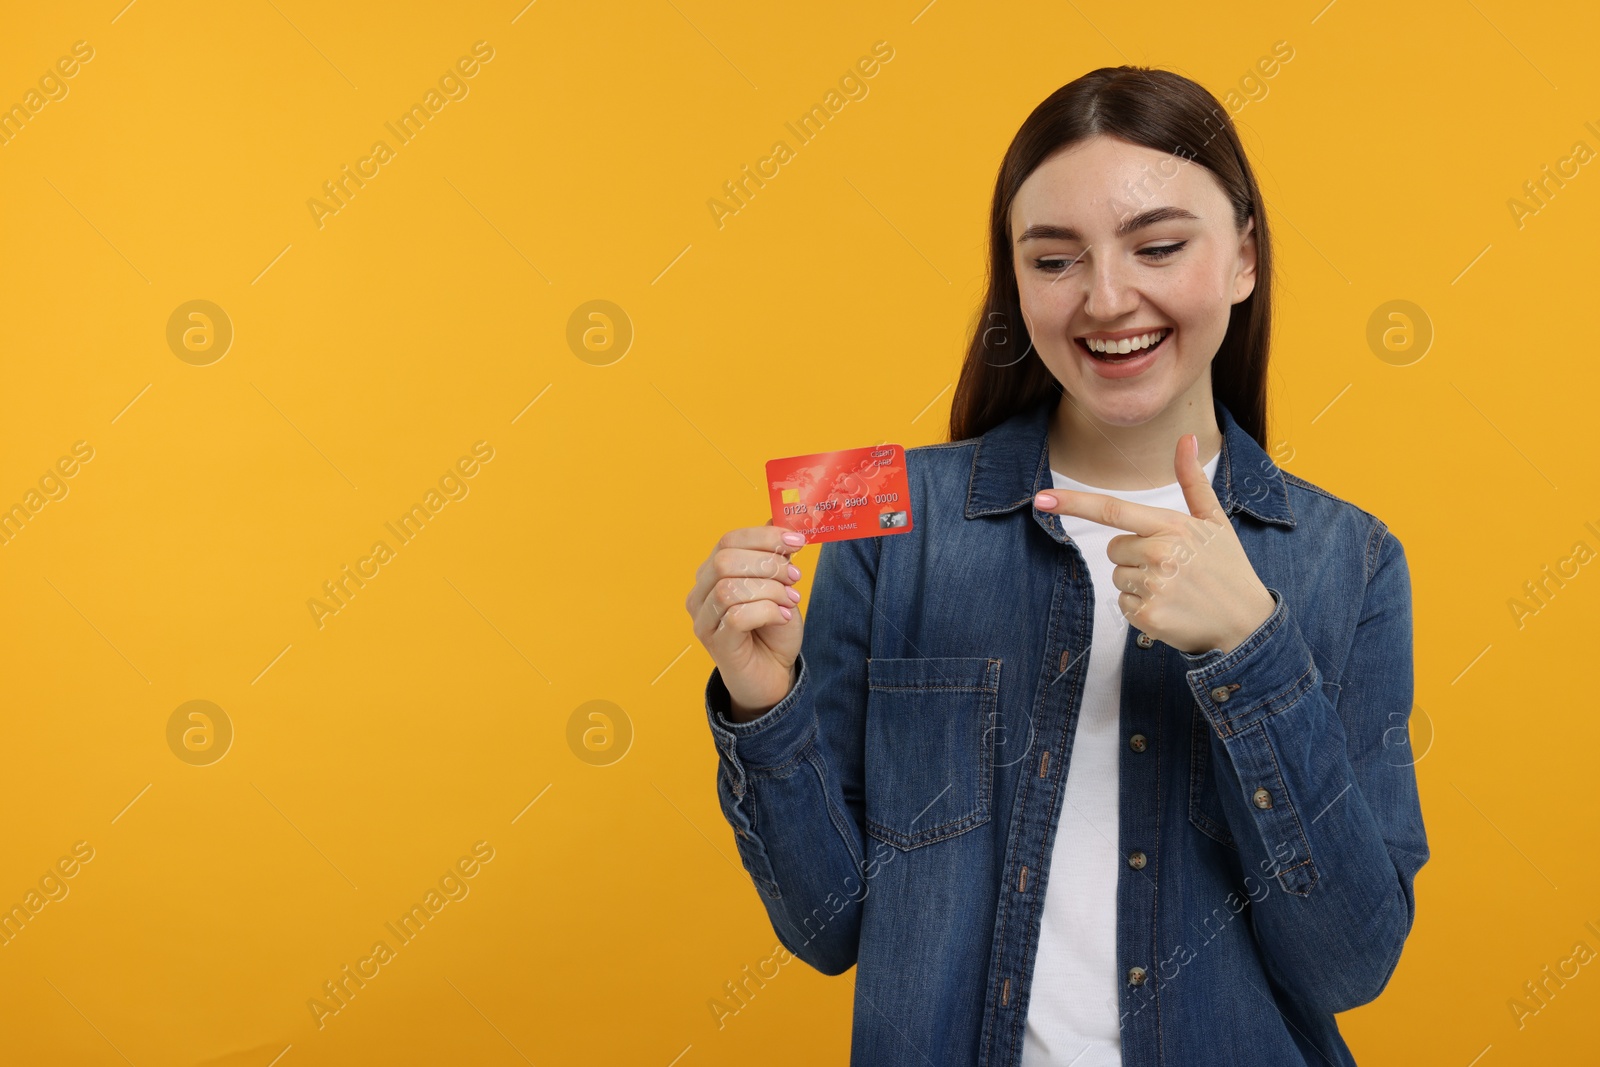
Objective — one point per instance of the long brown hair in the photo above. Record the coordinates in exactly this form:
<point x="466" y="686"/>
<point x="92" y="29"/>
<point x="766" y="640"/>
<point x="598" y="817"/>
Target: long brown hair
<point x="1157" y="109"/>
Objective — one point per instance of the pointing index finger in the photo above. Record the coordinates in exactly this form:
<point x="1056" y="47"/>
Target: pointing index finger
<point x="1142" y="519"/>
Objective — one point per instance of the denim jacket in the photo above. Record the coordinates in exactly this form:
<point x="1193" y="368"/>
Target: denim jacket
<point x="896" y="809"/>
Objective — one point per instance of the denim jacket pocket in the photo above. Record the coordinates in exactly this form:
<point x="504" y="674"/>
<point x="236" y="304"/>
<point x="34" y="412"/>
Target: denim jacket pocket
<point x="929" y="747"/>
<point x="1205" y="803"/>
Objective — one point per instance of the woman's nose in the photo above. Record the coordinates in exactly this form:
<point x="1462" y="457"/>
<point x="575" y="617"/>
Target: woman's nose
<point x="1110" y="294"/>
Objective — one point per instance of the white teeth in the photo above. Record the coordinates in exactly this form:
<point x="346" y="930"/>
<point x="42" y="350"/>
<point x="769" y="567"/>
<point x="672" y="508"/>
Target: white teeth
<point x="1126" y="344"/>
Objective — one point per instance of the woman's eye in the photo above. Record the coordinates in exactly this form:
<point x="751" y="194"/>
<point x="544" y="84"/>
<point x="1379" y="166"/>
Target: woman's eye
<point x="1057" y="264"/>
<point x="1054" y="265"/>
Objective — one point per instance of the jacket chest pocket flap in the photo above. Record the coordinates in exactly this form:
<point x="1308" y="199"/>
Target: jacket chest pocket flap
<point x="929" y="746"/>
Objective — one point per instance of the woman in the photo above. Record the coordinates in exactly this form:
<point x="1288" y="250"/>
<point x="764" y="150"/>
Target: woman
<point x="1121" y="776"/>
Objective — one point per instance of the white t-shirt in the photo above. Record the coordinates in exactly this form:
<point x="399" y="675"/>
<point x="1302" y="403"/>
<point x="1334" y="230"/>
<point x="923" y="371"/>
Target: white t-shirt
<point x="1073" y="1010"/>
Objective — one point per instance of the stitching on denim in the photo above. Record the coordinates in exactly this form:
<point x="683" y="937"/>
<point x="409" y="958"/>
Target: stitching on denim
<point x="988" y="711"/>
<point x="1231" y="503"/>
<point x="972" y="480"/>
<point x="1032" y="909"/>
<point x="921" y="686"/>
<point x="1155" y="882"/>
<point x="1283" y="788"/>
<point x="1019" y="1014"/>
<point x="788" y="766"/>
<point x="905" y="843"/>
<point x="1311" y="882"/>
<point x="986" y="1038"/>
<point x="1199" y="731"/>
<point x="1033" y="914"/>
<point x="1374" y="556"/>
<point x="1004" y="904"/>
<point x="745" y="846"/>
<point x="1296" y="480"/>
<point x="1034" y="905"/>
<point x="907" y="840"/>
<point x="1287" y="697"/>
<point x="929" y="835"/>
<point x="813" y="758"/>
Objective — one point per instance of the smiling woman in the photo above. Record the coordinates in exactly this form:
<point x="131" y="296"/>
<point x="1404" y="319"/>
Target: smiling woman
<point x="1079" y="696"/>
<point x="1109" y="225"/>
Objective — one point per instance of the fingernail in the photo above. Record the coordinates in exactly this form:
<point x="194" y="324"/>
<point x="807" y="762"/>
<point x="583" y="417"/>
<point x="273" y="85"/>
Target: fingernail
<point x="794" y="537"/>
<point x="786" y="612"/>
<point x="1045" y="500"/>
<point x="794" y="596"/>
<point x="794" y="572"/>
<point x="1194" y="437"/>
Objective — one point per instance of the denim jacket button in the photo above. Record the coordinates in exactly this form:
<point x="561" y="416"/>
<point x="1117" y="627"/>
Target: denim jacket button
<point x="1136" y="742"/>
<point x="1263" y="798"/>
<point x="1136" y="975"/>
<point x="1143" y="641"/>
<point x="1136" y="860"/>
<point x="1220" y="693"/>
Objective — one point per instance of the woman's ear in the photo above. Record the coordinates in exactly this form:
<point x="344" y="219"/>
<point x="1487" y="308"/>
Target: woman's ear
<point x="1244" y="279"/>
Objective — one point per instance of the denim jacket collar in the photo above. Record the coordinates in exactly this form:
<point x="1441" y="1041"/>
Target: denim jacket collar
<point x="1012" y="463"/>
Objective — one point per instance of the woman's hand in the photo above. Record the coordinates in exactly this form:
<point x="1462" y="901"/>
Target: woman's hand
<point x="746" y="612"/>
<point x="1183" y="579"/>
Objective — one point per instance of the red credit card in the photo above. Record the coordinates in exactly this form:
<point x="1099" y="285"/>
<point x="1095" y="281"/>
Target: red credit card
<point x="835" y="496"/>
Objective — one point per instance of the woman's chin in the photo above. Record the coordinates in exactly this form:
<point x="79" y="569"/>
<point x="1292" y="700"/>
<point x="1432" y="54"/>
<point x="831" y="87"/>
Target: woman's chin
<point x="1120" y="407"/>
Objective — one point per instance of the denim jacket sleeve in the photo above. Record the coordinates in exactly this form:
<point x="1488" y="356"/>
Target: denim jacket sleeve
<point x="790" y="782"/>
<point x="1319" y="791"/>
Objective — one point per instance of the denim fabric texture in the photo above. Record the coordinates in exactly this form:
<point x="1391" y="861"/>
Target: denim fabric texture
<point x="896" y="810"/>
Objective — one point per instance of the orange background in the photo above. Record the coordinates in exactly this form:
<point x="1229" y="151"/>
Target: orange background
<point x="447" y="702"/>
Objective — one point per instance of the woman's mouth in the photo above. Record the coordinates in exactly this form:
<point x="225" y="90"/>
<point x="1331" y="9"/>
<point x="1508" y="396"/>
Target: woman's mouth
<point x="1124" y="357"/>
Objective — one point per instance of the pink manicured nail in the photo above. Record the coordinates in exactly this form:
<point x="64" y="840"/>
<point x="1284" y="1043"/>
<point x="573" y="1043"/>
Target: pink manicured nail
<point x="1045" y="500"/>
<point x="787" y="614"/>
<point x="794" y="537"/>
<point x="794" y="572"/>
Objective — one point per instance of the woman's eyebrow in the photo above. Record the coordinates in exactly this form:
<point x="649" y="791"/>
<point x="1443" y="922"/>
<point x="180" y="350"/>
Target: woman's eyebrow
<point x="1046" y="232"/>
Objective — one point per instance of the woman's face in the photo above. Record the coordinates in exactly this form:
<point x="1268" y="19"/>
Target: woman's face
<point x="1112" y="240"/>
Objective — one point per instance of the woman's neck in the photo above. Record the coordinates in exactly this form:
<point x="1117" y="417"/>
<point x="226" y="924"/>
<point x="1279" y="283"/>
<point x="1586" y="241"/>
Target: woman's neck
<point x="1129" y="457"/>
